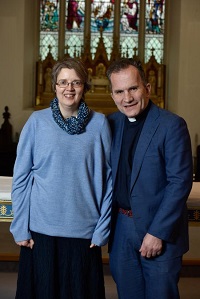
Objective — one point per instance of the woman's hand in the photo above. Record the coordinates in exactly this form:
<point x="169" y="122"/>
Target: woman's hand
<point x="26" y="243"/>
<point x="92" y="245"/>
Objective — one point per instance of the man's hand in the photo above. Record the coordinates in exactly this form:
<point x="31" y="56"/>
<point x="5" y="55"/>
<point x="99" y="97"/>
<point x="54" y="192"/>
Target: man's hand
<point x="26" y="243"/>
<point x="151" y="246"/>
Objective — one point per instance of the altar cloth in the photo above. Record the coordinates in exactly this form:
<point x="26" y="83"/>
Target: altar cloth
<point x="193" y="203"/>
<point x="6" y="213"/>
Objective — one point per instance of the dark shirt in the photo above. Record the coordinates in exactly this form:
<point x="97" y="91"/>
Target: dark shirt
<point x="131" y="134"/>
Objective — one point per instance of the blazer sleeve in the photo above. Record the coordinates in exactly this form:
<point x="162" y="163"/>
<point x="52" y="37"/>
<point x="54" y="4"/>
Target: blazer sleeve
<point x="179" y="176"/>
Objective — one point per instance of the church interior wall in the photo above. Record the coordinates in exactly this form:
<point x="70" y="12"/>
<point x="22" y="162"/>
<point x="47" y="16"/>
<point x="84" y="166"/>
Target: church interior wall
<point x="184" y="65"/>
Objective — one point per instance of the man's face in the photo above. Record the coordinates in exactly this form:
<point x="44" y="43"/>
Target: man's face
<point x="128" y="91"/>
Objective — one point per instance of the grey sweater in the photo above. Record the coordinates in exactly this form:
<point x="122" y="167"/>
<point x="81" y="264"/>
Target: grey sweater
<point x="61" y="182"/>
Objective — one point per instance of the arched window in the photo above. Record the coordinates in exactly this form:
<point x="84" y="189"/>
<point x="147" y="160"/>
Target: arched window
<point x="128" y="28"/>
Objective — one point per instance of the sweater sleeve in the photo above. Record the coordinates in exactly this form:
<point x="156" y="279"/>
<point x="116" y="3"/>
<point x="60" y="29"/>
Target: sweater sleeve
<point x="102" y="230"/>
<point x="22" y="184"/>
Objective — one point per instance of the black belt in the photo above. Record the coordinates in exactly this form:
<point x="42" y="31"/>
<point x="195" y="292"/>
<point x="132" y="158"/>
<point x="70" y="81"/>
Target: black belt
<point x="126" y="212"/>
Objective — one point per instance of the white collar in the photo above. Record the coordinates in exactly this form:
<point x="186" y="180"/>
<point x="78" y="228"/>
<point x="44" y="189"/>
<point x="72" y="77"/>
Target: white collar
<point x="131" y="119"/>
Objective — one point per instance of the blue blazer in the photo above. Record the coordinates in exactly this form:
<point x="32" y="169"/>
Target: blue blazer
<point x="161" y="179"/>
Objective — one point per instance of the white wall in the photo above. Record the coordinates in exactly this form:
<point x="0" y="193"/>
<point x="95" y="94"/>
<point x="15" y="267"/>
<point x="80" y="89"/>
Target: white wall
<point x="184" y="63"/>
<point x="17" y="60"/>
<point x="189" y="82"/>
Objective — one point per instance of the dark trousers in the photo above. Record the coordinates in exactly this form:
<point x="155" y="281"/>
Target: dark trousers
<point x="137" y="277"/>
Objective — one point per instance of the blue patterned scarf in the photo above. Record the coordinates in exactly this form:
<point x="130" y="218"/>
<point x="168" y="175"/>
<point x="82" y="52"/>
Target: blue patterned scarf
<point x="72" y="125"/>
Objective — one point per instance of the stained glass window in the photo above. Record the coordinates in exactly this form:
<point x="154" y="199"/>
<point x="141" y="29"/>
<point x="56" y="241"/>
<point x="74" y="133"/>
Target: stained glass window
<point x="102" y="17"/>
<point x="129" y="25"/>
<point x="140" y="23"/>
<point x="155" y="29"/>
<point x="49" y="27"/>
<point x="74" y="27"/>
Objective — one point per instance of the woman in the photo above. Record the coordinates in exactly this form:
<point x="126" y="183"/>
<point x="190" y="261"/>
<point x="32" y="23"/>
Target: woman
<point x="62" y="193"/>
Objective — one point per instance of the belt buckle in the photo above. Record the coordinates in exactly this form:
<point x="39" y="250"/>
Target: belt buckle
<point x="129" y="214"/>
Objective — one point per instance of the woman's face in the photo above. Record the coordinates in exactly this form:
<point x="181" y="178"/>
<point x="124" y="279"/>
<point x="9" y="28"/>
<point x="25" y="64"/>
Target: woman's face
<point x="69" y="97"/>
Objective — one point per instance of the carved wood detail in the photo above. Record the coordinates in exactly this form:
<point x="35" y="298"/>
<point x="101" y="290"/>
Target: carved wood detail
<point x="98" y="98"/>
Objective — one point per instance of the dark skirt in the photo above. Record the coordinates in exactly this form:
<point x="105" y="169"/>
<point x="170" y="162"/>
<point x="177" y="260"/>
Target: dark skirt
<point x="60" y="268"/>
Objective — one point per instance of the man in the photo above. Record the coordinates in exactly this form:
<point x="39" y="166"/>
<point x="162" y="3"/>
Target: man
<point x="152" y="178"/>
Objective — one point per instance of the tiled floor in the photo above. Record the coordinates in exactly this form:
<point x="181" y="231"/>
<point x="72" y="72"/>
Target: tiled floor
<point x="189" y="287"/>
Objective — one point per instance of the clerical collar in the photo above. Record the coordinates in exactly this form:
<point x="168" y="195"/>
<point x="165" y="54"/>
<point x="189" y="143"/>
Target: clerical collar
<point x="131" y="119"/>
<point x="141" y="115"/>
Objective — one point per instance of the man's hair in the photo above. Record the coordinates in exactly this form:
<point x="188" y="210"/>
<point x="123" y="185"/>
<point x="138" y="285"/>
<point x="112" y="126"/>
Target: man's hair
<point x="123" y="63"/>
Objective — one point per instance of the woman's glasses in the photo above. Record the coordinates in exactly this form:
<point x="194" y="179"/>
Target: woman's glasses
<point x="74" y="84"/>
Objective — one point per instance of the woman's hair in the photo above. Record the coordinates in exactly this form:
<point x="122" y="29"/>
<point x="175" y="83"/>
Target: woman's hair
<point x="124" y="63"/>
<point x="71" y="63"/>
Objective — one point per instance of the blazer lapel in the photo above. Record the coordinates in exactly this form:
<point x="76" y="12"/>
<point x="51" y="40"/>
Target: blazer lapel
<point x="150" y="126"/>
